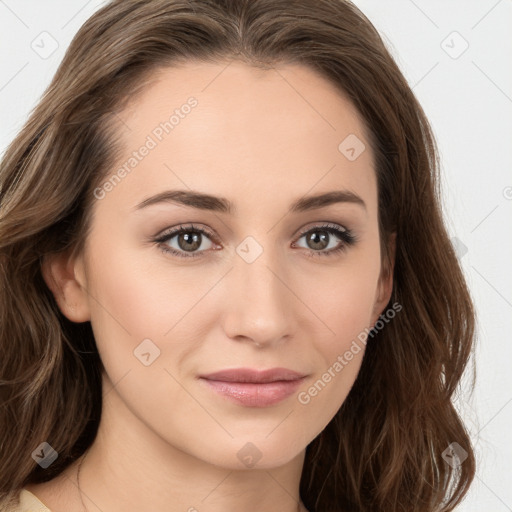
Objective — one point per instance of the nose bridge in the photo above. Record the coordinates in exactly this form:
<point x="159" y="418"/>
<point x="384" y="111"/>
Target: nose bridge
<point x="258" y="278"/>
<point x="259" y="305"/>
<point x="256" y="267"/>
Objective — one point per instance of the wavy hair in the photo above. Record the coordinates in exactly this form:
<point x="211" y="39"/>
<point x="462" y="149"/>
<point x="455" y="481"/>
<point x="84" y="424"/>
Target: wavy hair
<point x="383" y="450"/>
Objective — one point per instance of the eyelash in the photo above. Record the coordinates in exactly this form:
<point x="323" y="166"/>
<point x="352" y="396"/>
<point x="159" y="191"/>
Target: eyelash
<point x="346" y="236"/>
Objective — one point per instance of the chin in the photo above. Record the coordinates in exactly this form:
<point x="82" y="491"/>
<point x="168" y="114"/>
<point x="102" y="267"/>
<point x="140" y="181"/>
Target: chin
<point x="257" y="452"/>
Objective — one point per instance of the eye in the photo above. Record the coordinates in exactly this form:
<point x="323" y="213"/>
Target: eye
<point x="188" y="240"/>
<point x="323" y="239"/>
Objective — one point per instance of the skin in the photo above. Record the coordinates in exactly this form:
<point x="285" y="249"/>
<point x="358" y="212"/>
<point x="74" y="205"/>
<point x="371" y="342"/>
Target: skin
<point x="262" y="139"/>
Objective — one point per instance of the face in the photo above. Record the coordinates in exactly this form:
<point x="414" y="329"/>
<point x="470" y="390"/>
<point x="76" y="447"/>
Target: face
<point x="259" y="277"/>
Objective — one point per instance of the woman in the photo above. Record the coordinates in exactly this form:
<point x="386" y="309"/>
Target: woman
<point x="226" y="279"/>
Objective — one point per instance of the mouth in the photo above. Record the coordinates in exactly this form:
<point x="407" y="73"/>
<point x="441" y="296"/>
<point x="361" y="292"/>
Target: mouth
<point x="252" y="387"/>
<point x="254" y="375"/>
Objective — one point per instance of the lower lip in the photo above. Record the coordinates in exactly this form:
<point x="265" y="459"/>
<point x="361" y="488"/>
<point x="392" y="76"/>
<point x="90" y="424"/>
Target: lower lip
<point x="252" y="394"/>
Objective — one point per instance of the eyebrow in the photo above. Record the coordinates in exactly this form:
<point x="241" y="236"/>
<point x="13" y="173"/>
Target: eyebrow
<point x="222" y="205"/>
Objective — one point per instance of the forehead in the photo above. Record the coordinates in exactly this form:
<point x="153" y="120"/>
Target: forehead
<point x="242" y="131"/>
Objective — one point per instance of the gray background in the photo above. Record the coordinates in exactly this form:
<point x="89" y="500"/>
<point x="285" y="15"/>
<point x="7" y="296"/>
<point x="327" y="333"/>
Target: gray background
<point x="467" y="95"/>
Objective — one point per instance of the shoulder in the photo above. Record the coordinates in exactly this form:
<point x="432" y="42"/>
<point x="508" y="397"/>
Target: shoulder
<point x="59" y="493"/>
<point x="30" y="503"/>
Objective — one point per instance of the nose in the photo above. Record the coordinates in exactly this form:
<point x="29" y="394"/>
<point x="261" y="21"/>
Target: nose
<point x="260" y="305"/>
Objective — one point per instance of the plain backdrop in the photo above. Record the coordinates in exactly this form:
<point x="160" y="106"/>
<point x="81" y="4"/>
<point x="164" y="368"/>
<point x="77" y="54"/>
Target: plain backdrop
<point x="456" y="56"/>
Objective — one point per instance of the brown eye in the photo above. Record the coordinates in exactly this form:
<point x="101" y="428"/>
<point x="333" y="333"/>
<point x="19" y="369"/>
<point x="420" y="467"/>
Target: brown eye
<point x="185" y="241"/>
<point x="327" y="240"/>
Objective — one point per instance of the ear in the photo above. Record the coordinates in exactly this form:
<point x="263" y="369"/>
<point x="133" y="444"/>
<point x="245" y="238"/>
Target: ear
<point x="385" y="285"/>
<point x="64" y="275"/>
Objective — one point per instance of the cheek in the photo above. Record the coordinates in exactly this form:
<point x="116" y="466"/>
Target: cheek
<point x="347" y="313"/>
<point x="139" y="298"/>
<point x="124" y="304"/>
<point x="345" y="308"/>
<point x="145" y="300"/>
<point x="345" y="301"/>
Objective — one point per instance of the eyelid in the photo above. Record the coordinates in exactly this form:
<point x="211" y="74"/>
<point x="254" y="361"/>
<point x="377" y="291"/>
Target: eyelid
<point x="168" y="232"/>
<point x="324" y="224"/>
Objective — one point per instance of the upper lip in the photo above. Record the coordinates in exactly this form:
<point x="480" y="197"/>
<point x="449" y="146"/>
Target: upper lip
<point x="254" y="375"/>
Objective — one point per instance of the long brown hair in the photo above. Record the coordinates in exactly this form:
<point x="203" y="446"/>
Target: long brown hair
<point x="383" y="450"/>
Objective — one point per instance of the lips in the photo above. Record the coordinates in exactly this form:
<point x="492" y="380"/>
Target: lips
<point x="254" y="388"/>
<point x="253" y="375"/>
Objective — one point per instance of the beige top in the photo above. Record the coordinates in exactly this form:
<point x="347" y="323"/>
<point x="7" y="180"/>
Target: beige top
<point x="30" y="503"/>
